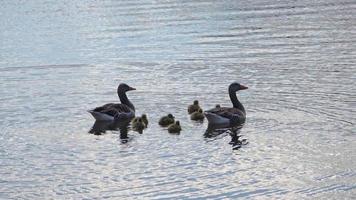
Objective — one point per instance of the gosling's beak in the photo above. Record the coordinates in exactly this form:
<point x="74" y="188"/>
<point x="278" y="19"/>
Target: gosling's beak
<point x="131" y="88"/>
<point x="242" y="87"/>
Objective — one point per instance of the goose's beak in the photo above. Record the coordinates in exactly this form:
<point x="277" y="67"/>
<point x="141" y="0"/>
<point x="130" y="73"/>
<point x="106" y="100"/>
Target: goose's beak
<point x="131" y="88"/>
<point x="242" y="87"/>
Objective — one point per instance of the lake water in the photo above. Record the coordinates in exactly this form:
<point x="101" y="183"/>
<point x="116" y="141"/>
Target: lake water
<point x="60" y="58"/>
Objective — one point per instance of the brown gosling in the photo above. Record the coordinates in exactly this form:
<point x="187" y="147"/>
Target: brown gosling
<point x="197" y="115"/>
<point x="194" y="107"/>
<point x="174" y="128"/>
<point x="138" y="125"/>
<point x="144" y="119"/>
<point x="166" y="120"/>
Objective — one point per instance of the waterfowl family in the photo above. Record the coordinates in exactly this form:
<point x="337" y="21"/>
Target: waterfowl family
<point x="174" y="128"/>
<point x="197" y="115"/>
<point x="166" y="120"/>
<point x="218" y="116"/>
<point x="225" y="116"/>
<point x="111" y="111"/>
<point x="194" y="107"/>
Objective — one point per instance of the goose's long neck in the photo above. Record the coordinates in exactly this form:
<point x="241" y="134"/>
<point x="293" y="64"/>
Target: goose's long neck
<point x="125" y="100"/>
<point x="235" y="102"/>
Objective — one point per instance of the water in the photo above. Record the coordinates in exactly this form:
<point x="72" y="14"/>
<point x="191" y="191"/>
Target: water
<point x="61" y="58"/>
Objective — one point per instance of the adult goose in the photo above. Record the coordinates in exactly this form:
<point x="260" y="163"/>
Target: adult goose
<point x="225" y="116"/>
<point x="117" y="111"/>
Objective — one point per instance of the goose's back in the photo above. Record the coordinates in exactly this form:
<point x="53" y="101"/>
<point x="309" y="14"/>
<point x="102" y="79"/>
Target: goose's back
<point x="227" y="112"/>
<point x="113" y="108"/>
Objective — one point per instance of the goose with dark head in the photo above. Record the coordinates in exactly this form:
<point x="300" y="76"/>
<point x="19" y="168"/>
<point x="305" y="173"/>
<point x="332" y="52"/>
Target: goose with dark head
<point x="228" y="116"/>
<point x="116" y="111"/>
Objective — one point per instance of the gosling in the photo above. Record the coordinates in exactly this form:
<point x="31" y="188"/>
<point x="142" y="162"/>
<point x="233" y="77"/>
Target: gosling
<point x="194" y="107"/>
<point x="138" y="125"/>
<point x="174" y="128"/>
<point x="197" y="115"/>
<point x="144" y="120"/>
<point x="166" y="120"/>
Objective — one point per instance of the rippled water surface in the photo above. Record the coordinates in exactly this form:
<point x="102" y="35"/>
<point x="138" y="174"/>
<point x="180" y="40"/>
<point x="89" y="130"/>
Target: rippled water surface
<point x="61" y="58"/>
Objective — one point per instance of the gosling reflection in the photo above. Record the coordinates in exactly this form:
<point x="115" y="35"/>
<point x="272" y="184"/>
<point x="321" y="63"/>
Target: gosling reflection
<point x="236" y="141"/>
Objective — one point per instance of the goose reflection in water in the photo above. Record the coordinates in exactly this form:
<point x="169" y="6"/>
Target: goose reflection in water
<point x="213" y="132"/>
<point x="100" y="127"/>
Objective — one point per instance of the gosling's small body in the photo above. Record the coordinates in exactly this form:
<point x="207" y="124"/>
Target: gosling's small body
<point x="144" y="119"/>
<point x="166" y="120"/>
<point x="197" y="115"/>
<point x="174" y="128"/>
<point x="138" y="124"/>
<point x="194" y="107"/>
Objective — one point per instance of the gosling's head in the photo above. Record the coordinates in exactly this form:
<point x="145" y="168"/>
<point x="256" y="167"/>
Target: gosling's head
<point x="177" y="123"/>
<point x="196" y="102"/>
<point x="217" y="106"/>
<point x="144" y="116"/>
<point x="170" y="116"/>
<point x="200" y="110"/>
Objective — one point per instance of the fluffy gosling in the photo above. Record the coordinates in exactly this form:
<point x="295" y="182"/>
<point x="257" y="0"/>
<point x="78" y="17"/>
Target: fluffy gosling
<point x="144" y="119"/>
<point x="197" y="115"/>
<point x="194" y="107"/>
<point x="174" y="128"/>
<point x="138" y="125"/>
<point x="166" y="120"/>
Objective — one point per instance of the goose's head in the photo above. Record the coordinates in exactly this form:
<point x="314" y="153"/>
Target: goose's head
<point x="234" y="87"/>
<point x="123" y="87"/>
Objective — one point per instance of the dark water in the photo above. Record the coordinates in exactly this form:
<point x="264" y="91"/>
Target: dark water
<point x="61" y="58"/>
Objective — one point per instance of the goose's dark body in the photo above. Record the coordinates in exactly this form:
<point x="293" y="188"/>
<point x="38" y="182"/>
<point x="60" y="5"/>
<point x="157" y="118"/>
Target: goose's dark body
<point x="113" y="108"/>
<point x="111" y="111"/>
